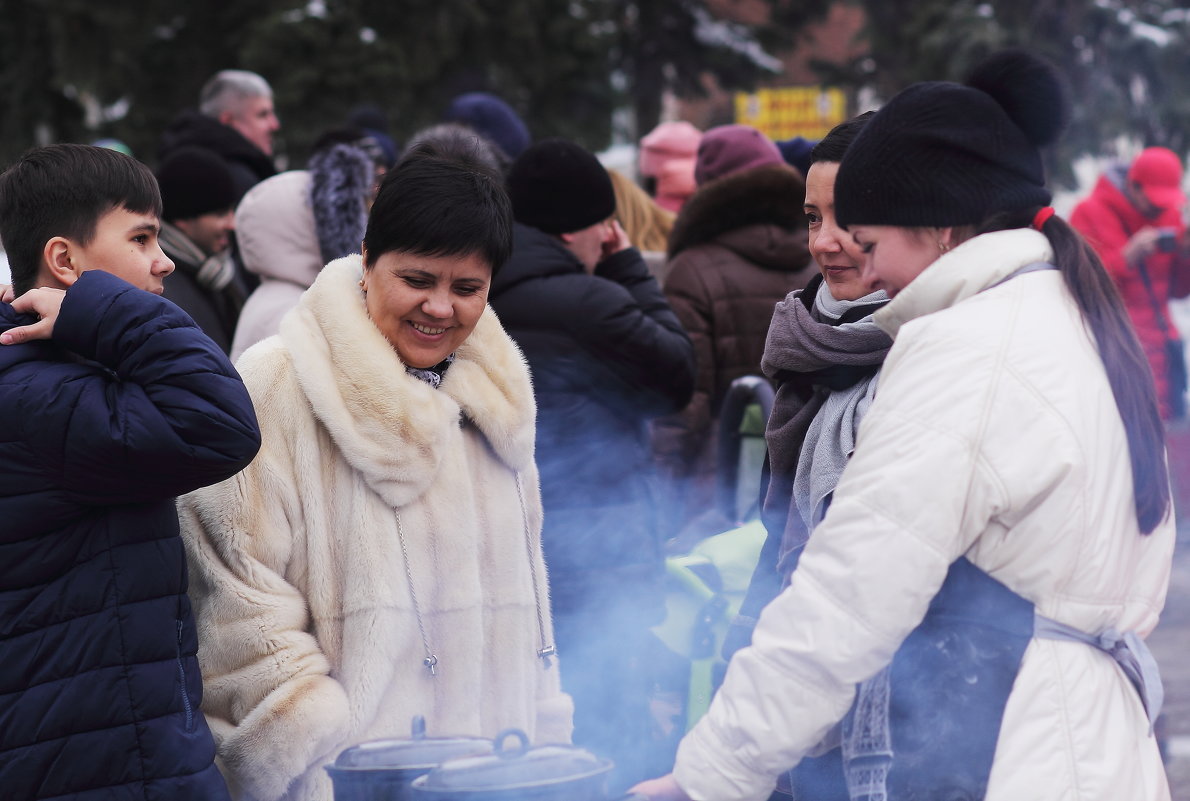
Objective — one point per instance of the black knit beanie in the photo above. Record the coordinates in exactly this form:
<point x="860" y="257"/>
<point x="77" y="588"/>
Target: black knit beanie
<point x="558" y="187"/>
<point x="941" y="154"/>
<point x="194" y="181"/>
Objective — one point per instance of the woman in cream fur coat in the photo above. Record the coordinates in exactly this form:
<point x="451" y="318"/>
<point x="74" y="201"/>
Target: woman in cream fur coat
<point x="381" y="557"/>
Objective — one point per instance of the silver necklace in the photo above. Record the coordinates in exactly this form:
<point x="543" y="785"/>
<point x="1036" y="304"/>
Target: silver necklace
<point x="430" y="661"/>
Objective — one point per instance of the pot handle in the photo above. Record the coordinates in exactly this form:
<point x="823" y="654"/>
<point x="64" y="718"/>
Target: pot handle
<point x="418" y="727"/>
<point x="509" y="753"/>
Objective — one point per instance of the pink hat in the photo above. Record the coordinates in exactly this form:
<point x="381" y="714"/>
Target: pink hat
<point x="669" y="140"/>
<point x="1159" y="173"/>
<point x="731" y="148"/>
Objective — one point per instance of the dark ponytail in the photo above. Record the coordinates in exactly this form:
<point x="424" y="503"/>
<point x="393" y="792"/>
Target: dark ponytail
<point x="1128" y="370"/>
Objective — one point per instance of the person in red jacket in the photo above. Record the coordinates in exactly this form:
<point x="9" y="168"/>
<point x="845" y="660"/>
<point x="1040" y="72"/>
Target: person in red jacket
<point x="1133" y="220"/>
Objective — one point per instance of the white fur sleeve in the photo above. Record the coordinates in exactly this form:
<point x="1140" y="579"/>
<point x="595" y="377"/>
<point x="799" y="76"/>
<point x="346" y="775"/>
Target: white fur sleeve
<point x="268" y="696"/>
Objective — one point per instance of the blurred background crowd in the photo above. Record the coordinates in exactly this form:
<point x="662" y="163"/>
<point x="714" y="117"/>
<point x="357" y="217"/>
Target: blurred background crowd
<point x="270" y="125"/>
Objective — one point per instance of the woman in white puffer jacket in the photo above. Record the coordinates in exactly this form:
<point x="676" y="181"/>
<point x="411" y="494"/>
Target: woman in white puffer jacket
<point x="1015" y="439"/>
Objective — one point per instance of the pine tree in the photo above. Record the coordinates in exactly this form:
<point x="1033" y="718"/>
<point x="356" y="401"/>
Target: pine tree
<point x="76" y="70"/>
<point x="1124" y="61"/>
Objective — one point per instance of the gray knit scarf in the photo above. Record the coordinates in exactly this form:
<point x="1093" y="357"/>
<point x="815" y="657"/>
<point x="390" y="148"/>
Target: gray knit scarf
<point x="823" y="356"/>
<point x="213" y="272"/>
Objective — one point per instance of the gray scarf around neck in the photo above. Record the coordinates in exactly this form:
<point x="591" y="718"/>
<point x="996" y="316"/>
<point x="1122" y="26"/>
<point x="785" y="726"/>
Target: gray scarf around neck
<point x="213" y="272"/>
<point x="823" y="359"/>
<point x="830" y="439"/>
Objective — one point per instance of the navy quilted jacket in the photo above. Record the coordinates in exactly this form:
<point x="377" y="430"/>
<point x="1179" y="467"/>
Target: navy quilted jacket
<point x="128" y="406"/>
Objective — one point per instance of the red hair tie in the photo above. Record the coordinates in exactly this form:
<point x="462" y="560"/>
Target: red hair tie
<point x="1042" y="217"/>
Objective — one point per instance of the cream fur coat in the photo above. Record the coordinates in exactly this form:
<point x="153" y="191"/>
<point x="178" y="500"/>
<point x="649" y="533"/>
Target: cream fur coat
<point x="309" y="641"/>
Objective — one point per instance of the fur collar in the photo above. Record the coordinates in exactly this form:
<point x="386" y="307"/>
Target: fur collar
<point x="766" y="195"/>
<point x="389" y="425"/>
<point x="962" y="273"/>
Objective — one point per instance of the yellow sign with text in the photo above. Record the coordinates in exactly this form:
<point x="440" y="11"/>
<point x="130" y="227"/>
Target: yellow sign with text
<point x="807" y="111"/>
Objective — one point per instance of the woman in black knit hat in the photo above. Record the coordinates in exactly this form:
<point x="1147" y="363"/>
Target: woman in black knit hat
<point x="966" y="622"/>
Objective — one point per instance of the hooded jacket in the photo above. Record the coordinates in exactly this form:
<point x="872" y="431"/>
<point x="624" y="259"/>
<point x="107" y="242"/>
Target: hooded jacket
<point x="248" y="164"/>
<point x="738" y="248"/>
<point x="378" y="506"/>
<point x="126" y="407"/>
<point x="994" y="435"/>
<point x="279" y="243"/>
<point x="1108" y="220"/>
<point x="607" y="354"/>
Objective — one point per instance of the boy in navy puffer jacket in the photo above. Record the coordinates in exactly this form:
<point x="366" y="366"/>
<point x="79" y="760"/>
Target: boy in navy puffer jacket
<point x="113" y="402"/>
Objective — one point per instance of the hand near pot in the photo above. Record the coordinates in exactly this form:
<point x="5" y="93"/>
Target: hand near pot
<point x="663" y="789"/>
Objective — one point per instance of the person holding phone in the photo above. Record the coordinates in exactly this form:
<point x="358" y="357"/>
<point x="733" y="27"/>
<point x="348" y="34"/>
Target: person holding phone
<point x="1133" y="220"/>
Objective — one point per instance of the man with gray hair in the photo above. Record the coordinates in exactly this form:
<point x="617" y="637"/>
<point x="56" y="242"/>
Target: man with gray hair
<point x="236" y="120"/>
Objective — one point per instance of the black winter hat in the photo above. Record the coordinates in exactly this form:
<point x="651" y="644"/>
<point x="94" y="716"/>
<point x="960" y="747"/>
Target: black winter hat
<point x="941" y="154"/>
<point x="558" y="187"/>
<point x="194" y="181"/>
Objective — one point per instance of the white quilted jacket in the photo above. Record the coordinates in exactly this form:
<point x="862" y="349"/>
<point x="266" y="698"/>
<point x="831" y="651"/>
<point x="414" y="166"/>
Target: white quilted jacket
<point x="994" y="435"/>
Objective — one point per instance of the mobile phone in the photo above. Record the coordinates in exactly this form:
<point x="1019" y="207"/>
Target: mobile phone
<point x="1167" y="240"/>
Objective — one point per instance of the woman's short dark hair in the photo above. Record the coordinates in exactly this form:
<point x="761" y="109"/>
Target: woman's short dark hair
<point x="834" y="145"/>
<point x="441" y="200"/>
<point x="63" y="190"/>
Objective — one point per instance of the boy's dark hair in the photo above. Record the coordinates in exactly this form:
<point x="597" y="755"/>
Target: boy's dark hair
<point x="63" y="190"/>
<point x="834" y="145"/>
<point x="441" y="200"/>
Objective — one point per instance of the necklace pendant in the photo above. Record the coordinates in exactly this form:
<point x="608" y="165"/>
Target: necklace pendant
<point x="431" y="663"/>
<point x="545" y="653"/>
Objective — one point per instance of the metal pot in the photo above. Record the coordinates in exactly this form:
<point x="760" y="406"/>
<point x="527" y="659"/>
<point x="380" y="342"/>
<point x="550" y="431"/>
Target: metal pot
<point x="519" y="773"/>
<point x="383" y="770"/>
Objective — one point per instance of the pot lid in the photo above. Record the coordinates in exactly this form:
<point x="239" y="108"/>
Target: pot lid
<point x="419" y="751"/>
<point x="515" y="767"/>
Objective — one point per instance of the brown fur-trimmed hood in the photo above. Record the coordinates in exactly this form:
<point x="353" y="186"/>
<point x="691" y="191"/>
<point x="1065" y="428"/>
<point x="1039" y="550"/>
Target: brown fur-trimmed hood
<point x="772" y="195"/>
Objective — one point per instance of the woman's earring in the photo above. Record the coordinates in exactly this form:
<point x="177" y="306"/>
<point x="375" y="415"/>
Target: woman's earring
<point x="361" y="286"/>
<point x="942" y="246"/>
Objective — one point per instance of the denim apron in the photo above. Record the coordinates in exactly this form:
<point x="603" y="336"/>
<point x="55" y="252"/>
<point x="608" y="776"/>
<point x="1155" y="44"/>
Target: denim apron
<point x="925" y="727"/>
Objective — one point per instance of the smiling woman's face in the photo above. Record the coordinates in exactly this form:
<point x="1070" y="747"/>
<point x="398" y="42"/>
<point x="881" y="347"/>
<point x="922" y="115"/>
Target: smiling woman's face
<point x="426" y="306"/>
<point x="894" y="256"/>
<point x="839" y="258"/>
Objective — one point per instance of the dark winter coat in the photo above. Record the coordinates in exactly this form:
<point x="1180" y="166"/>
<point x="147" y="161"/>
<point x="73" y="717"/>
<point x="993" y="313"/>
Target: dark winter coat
<point x="606" y="354"/>
<point x="738" y="247"/>
<point x="1108" y="220"/>
<point x="247" y="163"/>
<point x="215" y="312"/>
<point x="128" y="406"/>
